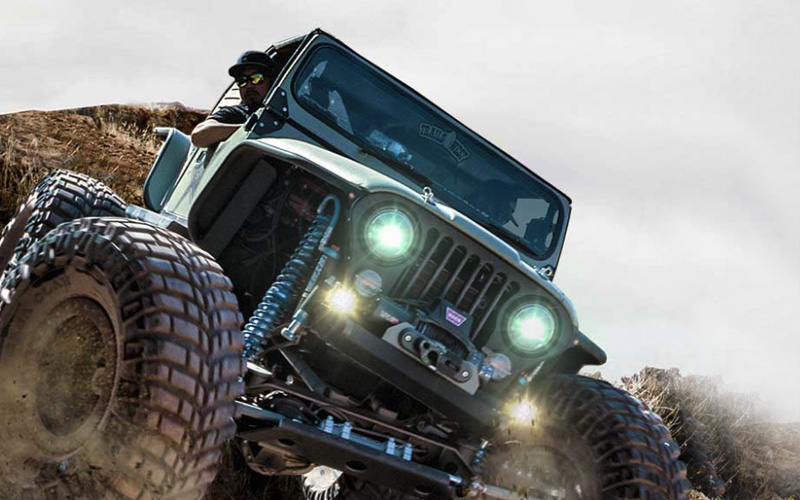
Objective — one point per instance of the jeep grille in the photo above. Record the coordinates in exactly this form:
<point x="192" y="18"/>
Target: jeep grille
<point x="450" y="271"/>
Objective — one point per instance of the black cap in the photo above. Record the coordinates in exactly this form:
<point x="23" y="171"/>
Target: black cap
<point x="256" y="59"/>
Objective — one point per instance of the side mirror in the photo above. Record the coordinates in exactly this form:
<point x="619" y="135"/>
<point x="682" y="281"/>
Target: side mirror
<point x="166" y="168"/>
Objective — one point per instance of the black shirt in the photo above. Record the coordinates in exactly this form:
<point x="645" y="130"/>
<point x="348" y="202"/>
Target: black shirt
<point x="232" y="114"/>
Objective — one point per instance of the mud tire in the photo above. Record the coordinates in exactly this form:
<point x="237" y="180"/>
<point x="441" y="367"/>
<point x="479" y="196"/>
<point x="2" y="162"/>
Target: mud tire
<point x="13" y="232"/>
<point x="151" y="404"/>
<point x="592" y="439"/>
<point x="60" y="197"/>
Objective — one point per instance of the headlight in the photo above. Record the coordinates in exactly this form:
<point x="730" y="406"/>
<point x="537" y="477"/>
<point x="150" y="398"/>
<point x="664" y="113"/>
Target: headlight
<point x="390" y="234"/>
<point x="531" y="327"/>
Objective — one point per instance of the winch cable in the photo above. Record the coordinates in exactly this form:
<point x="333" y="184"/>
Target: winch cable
<point x="293" y="279"/>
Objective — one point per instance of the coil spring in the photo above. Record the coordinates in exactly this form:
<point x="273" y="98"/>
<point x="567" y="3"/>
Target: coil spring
<point x="280" y="297"/>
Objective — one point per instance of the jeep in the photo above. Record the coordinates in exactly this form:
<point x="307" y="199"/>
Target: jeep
<point x="354" y="289"/>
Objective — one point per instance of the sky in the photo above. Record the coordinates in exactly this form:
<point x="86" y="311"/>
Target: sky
<point x="673" y="126"/>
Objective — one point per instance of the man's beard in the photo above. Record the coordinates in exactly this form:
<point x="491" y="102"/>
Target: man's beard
<point x="252" y="99"/>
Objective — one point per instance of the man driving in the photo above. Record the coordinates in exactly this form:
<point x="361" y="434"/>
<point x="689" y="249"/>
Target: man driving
<point x="254" y="73"/>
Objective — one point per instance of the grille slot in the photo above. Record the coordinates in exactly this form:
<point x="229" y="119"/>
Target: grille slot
<point x="447" y="270"/>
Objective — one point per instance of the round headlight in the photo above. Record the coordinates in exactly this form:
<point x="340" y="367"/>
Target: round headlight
<point x="532" y="327"/>
<point x="390" y="234"/>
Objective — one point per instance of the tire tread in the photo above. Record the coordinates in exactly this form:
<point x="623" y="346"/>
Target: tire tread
<point x="635" y="451"/>
<point x="181" y="364"/>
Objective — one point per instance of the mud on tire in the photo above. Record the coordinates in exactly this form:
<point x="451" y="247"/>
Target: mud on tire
<point x="60" y="197"/>
<point x="593" y="440"/>
<point x="120" y="355"/>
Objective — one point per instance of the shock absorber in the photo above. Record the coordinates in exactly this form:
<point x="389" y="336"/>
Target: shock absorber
<point x="284" y="291"/>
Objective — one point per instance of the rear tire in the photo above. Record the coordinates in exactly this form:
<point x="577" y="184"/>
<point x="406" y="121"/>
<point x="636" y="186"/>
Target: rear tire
<point x="591" y="439"/>
<point x="60" y="197"/>
<point x="120" y="356"/>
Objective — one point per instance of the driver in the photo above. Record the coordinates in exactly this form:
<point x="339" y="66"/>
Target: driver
<point x="254" y="73"/>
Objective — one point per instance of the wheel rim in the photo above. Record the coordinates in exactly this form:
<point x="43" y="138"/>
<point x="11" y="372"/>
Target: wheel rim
<point x="541" y="471"/>
<point x="64" y="375"/>
<point x="60" y="367"/>
<point x="76" y="369"/>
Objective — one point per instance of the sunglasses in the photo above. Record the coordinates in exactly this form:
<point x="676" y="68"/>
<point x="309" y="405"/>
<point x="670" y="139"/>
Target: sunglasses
<point x="253" y="79"/>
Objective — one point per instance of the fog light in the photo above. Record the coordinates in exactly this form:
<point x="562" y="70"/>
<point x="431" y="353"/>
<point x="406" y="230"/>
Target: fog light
<point x="342" y="300"/>
<point x="368" y="283"/>
<point x="522" y="412"/>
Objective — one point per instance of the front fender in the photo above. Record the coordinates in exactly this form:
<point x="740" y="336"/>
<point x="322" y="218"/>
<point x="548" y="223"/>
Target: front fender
<point x="581" y="353"/>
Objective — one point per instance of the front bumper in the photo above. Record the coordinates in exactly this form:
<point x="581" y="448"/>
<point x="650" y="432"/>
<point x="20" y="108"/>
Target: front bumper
<point x="474" y="415"/>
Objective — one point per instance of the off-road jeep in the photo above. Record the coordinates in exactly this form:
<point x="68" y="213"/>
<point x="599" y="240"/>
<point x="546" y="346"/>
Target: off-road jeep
<point x="393" y="272"/>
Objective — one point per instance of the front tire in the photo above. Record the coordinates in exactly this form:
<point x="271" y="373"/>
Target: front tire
<point x="592" y="440"/>
<point x="120" y="356"/>
<point x="60" y="197"/>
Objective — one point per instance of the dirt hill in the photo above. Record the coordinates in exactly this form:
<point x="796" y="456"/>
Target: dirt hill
<point x="730" y="453"/>
<point x="112" y="143"/>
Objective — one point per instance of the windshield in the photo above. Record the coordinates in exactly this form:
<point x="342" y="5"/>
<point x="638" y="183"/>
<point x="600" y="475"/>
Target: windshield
<point x="431" y="149"/>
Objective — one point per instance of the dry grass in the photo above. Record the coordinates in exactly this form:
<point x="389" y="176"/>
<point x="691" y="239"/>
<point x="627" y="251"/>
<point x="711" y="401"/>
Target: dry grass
<point x="753" y="461"/>
<point x="20" y="171"/>
<point x="130" y="136"/>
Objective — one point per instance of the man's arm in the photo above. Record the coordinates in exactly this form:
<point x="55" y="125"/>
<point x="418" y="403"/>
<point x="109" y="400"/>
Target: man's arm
<point x="211" y="132"/>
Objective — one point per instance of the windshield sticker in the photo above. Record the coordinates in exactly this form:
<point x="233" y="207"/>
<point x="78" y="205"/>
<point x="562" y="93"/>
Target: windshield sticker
<point x="445" y="139"/>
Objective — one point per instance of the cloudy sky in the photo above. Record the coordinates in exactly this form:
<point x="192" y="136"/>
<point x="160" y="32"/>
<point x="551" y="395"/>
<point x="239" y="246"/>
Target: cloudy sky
<point x="674" y="126"/>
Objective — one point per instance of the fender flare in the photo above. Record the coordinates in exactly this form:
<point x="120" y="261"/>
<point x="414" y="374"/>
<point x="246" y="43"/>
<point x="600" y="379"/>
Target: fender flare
<point x="582" y="352"/>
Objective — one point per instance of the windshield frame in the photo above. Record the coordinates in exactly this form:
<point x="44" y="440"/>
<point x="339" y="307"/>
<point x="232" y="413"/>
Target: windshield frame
<point x="407" y="174"/>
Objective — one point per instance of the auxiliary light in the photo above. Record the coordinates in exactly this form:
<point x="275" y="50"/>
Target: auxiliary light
<point x="522" y="412"/>
<point x="342" y="300"/>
